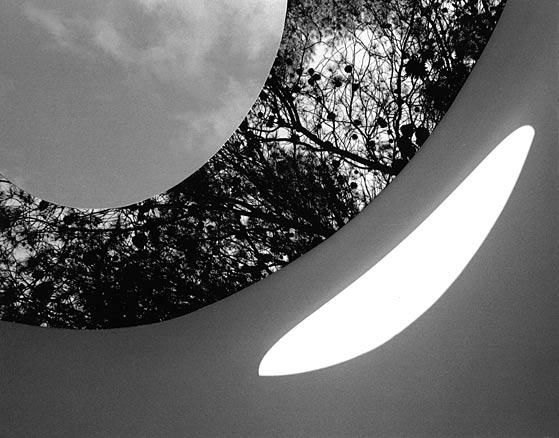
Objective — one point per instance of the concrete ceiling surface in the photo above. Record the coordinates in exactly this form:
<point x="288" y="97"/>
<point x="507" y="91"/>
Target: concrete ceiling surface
<point x="483" y="361"/>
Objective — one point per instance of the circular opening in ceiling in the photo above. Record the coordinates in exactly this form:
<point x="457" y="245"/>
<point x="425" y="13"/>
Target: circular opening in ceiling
<point x="354" y="92"/>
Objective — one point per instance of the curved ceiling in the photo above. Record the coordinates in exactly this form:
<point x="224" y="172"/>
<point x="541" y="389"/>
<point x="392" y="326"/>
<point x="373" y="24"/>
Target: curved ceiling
<point x="481" y="362"/>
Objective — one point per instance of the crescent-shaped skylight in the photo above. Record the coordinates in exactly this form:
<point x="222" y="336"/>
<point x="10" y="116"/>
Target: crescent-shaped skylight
<point x="383" y="302"/>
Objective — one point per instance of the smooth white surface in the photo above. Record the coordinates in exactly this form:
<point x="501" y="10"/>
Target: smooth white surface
<point x="384" y="300"/>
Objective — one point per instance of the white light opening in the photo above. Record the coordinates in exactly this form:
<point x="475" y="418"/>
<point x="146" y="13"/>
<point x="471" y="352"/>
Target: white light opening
<point x="383" y="302"/>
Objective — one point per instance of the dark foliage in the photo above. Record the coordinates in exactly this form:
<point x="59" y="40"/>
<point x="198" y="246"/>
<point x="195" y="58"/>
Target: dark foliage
<point x="356" y="89"/>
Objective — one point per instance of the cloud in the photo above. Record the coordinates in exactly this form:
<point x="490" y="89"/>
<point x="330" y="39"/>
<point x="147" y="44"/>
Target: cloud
<point x="213" y="123"/>
<point x="200" y="62"/>
<point x="186" y="39"/>
<point x="60" y="28"/>
<point x="7" y="84"/>
<point x="186" y="52"/>
<point x="48" y="20"/>
<point x="107" y="38"/>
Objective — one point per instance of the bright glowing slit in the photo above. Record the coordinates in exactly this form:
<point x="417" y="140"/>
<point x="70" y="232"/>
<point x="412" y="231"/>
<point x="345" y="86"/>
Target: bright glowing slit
<point x="382" y="302"/>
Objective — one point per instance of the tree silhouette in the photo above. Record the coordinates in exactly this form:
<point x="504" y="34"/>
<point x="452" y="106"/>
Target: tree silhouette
<point x="355" y="91"/>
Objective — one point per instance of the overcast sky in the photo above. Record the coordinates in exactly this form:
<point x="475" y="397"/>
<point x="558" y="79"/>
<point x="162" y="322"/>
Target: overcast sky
<point x="107" y="102"/>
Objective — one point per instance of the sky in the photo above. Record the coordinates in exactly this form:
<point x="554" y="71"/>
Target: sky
<point x="108" y="102"/>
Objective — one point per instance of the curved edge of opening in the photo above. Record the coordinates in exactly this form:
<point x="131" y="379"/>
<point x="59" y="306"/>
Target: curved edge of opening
<point x="382" y="302"/>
